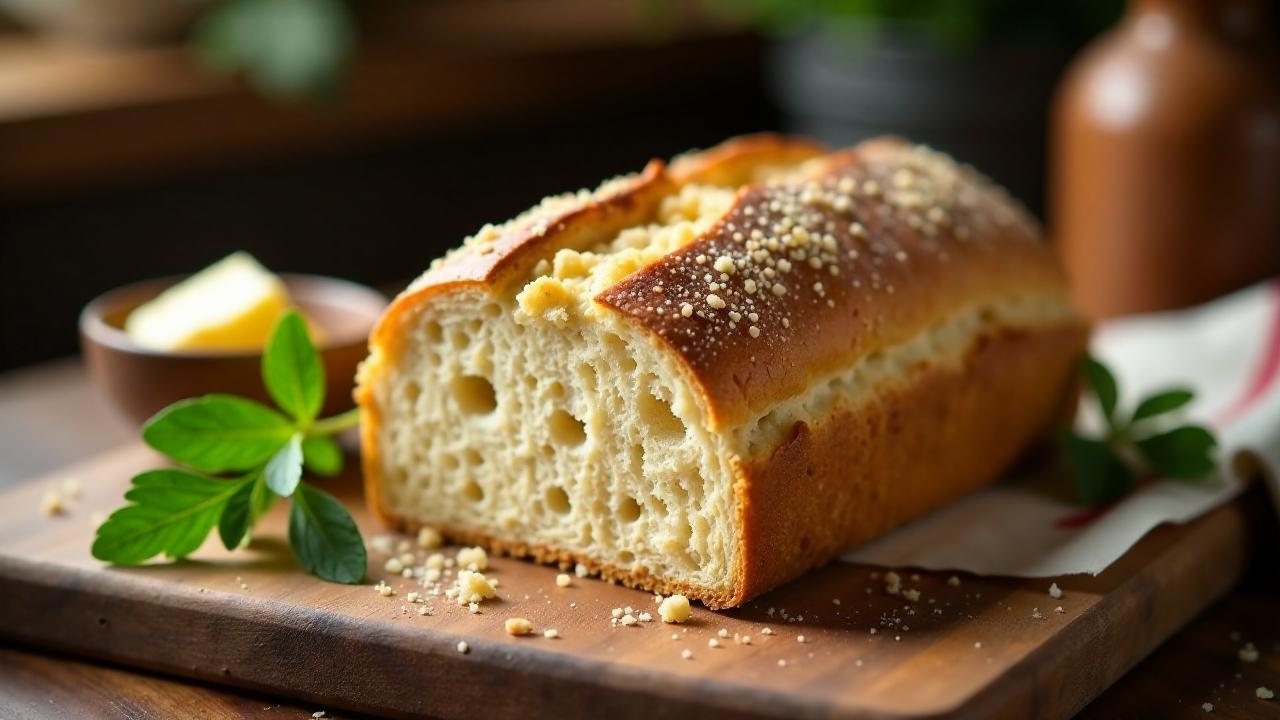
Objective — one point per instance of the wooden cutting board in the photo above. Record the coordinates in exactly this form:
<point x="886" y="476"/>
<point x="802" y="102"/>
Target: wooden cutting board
<point x="986" y="648"/>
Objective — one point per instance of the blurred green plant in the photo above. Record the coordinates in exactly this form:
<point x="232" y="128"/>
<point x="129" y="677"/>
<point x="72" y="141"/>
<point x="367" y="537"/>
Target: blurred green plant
<point x="285" y="48"/>
<point x="1151" y="441"/>
<point x="952" y="24"/>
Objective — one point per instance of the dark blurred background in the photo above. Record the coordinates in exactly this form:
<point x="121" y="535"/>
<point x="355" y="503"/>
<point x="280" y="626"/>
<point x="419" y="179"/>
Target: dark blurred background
<point x="141" y="138"/>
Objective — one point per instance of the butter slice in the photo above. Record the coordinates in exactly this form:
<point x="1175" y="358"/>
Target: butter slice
<point x="231" y="305"/>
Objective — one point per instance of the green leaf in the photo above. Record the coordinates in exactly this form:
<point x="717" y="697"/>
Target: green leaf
<point x="237" y="516"/>
<point x="286" y="47"/>
<point x="261" y="500"/>
<point x="1162" y="402"/>
<point x="325" y="538"/>
<point x="1184" y="453"/>
<point x="1103" y="384"/>
<point x="322" y="455"/>
<point x="292" y="370"/>
<point x="170" y="512"/>
<point x="284" y="470"/>
<point x="218" y="433"/>
<point x="1099" y="475"/>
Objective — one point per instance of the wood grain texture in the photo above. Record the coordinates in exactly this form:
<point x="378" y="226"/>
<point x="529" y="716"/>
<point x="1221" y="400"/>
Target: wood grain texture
<point x="1202" y="665"/>
<point x="48" y="687"/>
<point x="345" y="646"/>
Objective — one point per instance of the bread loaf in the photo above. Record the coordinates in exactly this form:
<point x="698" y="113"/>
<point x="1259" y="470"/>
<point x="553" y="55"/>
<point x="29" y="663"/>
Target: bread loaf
<point x="712" y="376"/>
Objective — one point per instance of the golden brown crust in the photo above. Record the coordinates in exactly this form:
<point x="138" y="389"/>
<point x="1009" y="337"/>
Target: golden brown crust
<point x="584" y="222"/>
<point x="516" y="248"/>
<point x="740" y="160"/>
<point x="915" y="255"/>
<point x="911" y="450"/>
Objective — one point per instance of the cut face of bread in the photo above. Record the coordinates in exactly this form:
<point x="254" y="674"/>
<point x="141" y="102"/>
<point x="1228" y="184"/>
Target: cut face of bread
<point x="618" y="378"/>
<point x="564" y="422"/>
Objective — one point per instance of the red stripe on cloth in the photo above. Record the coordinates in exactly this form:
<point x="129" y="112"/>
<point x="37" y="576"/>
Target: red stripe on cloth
<point x="1267" y="369"/>
<point x="1077" y="520"/>
<point x="1263" y="377"/>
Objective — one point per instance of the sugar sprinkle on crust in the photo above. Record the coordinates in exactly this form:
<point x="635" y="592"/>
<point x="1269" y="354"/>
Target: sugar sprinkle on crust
<point x="833" y="240"/>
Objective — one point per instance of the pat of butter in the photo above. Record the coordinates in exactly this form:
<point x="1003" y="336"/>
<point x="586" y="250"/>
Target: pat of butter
<point x="231" y="305"/>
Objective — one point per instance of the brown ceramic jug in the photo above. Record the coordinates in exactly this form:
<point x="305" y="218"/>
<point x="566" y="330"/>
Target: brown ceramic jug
<point x="1165" y="174"/>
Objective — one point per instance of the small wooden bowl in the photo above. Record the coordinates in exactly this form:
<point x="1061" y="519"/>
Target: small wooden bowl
<point x="141" y="381"/>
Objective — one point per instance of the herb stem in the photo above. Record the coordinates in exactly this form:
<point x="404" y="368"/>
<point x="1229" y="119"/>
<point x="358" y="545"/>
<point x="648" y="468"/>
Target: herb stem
<point x="335" y="424"/>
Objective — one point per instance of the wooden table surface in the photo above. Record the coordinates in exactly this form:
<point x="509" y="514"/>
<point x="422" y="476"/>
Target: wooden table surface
<point x="50" y="416"/>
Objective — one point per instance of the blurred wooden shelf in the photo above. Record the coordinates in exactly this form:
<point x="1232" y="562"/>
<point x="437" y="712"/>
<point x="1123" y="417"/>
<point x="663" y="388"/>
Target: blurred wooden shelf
<point x="73" y="118"/>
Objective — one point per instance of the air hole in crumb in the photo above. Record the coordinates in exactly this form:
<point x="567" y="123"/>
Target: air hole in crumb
<point x="629" y="510"/>
<point x="567" y="429"/>
<point x="657" y="505"/>
<point x="696" y="486"/>
<point x="558" y="500"/>
<point x="587" y="375"/>
<point x="556" y="390"/>
<point x="684" y="531"/>
<point x="474" y="394"/>
<point x="620" y="351"/>
<point x="614" y="344"/>
<point x="435" y="333"/>
<point x="474" y="325"/>
<point x="459" y="340"/>
<point x="484" y="360"/>
<point x="683" y="559"/>
<point x="492" y="310"/>
<point x="472" y="491"/>
<point x="701" y="529"/>
<point x="626" y="557"/>
<point x="449" y="461"/>
<point x="637" y="458"/>
<point x="679" y="493"/>
<point x="530" y="381"/>
<point x="411" y="391"/>
<point x="473" y="457"/>
<point x="655" y="412"/>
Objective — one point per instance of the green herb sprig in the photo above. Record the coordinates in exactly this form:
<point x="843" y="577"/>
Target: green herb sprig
<point x="241" y="455"/>
<point x="1146" y="441"/>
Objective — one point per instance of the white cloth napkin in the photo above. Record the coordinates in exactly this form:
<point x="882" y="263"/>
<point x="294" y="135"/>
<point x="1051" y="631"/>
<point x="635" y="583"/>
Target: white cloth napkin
<point x="1228" y="351"/>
